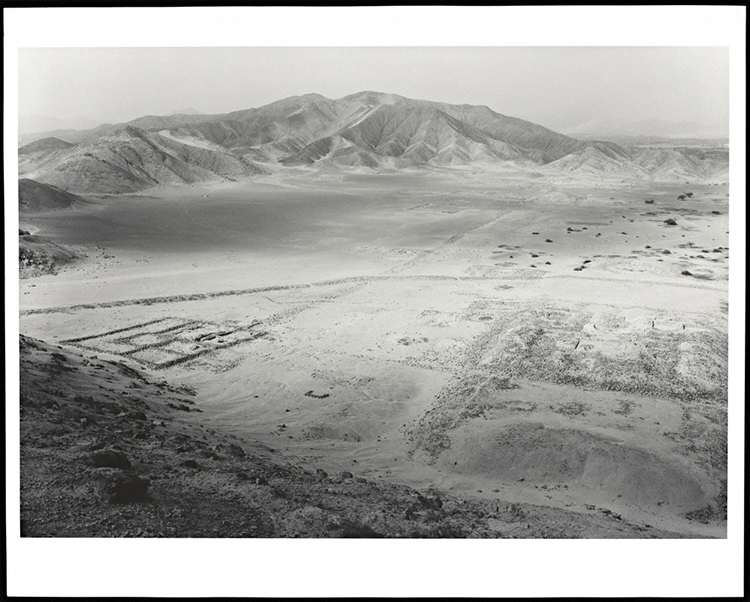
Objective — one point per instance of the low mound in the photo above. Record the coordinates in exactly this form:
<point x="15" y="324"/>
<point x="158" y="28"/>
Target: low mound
<point x="35" y="197"/>
<point x="38" y="256"/>
<point x="537" y="454"/>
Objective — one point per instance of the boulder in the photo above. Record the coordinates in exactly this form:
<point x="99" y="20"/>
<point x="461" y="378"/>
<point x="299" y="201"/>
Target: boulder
<point x="120" y="487"/>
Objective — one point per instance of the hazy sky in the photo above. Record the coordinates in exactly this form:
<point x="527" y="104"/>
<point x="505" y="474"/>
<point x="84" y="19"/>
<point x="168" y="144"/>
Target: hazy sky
<point x="559" y="87"/>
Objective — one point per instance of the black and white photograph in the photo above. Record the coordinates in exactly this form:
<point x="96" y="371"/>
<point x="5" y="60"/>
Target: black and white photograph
<point x="299" y="274"/>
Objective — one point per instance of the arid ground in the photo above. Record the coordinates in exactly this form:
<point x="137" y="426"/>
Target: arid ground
<point x="496" y="336"/>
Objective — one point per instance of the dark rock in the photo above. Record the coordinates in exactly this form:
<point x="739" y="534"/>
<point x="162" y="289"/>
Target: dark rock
<point x="321" y="474"/>
<point x="430" y="501"/>
<point x="346" y="475"/>
<point x="231" y="449"/>
<point x="108" y="458"/>
<point x="279" y="493"/>
<point x="190" y="464"/>
<point x="137" y="415"/>
<point x="120" y="487"/>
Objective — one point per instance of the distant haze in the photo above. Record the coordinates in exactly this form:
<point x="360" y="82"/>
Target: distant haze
<point x="566" y="89"/>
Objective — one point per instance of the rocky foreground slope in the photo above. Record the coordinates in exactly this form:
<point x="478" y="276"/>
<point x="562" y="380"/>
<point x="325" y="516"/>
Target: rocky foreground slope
<point x="108" y="451"/>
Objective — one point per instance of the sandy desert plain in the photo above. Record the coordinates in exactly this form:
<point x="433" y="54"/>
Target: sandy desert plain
<point x="491" y="334"/>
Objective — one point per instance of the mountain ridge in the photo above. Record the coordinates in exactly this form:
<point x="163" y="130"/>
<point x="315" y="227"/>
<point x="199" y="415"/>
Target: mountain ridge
<point x="368" y="129"/>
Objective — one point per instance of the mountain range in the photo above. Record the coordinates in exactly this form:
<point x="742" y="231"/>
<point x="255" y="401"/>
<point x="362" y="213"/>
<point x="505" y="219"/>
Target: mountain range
<point x="367" y="130"/>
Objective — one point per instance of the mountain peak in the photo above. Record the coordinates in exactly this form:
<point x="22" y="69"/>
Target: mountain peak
<point x="375" y="98"/>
